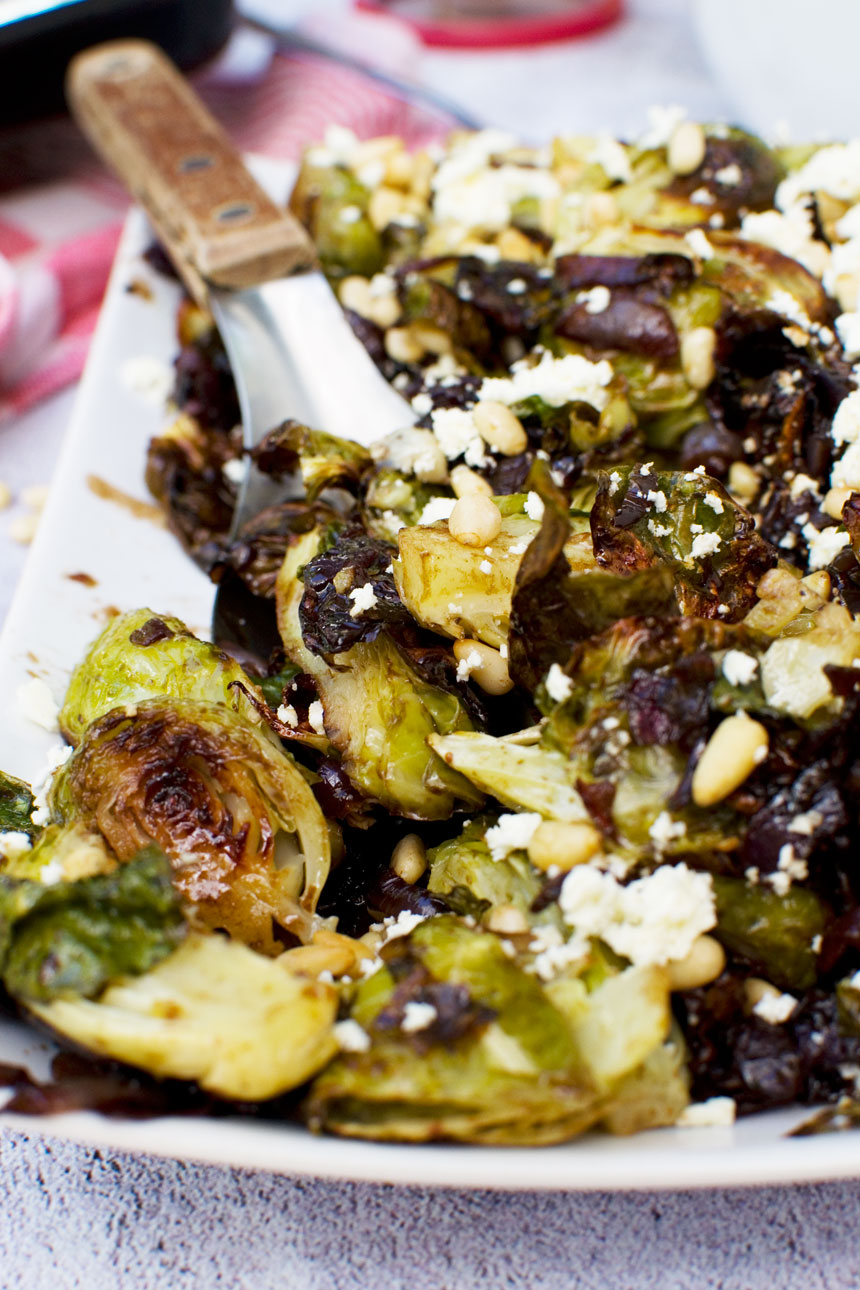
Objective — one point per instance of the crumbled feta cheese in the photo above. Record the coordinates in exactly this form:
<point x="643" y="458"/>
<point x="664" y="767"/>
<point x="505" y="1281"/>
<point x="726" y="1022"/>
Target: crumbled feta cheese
<point x="596" y="299"/>
<point x="803" y="484"/>
<point x="791" y="233"/>
<point x="422" y="403"/>
<point x="558" y="686"/>
<point x="806" y="823"/>
<point x="848" y="331"/>
<point x="658" y="500"/>
<point x="511" y="833"/>
<point x="729" y="176"/>
<point x="37" y="703"/>
<point x="471" y="192"/>
<point x="534" y="507"/>
<point x="698" y="243"/>
<point x="824" y="544"/>
<point x="485" y="566"/>
<point x="402" y="925"/>
<point x="235" y="470"/>
<point x="654" y="920"/>
<point x="454" y="429"/>
<point x="438" y="508"/>
<point x="612" y="157"/>
<point x="288" y="715"/>
<point x="715" y="502"/>
<point x="148" y="377"/>
<point x="351" y="1037"/>
<point x="834" y="168"/>
<point x="783" y="303"/>
<point x="316" y="717"/>
<point x="775" y="1008"/>
<point x="417" y="1016"/>
<point x="789" y="869"/>
<point x="14" y="844"/>
<point x="663" y="121"/>
<point x="702" y="197"/>
<point x="739" y="668"/>
<point x="516" y="286"/>
<point x="705" y="544"/>
<point x="363" y="598"/>
<point x="614" y="482"/>
<point x="659" y="530"/>
<point x="713" y="1113"/>
<point x="665" y="830"/>
<point x="51" y="873"/>
<point x="556" y="381"/>
<point x="466" y="666"/>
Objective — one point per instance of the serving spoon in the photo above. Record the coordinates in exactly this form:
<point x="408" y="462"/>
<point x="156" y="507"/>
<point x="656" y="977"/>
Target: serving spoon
<point x="291" y="350"/>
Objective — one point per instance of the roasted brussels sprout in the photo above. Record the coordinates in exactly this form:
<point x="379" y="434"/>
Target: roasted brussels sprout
<point x="235" y="815"/>
<point x="142" y="655"/>
<point x="16" y="805"/>
<point x="213" y="1011"/>
<point x="378" y="712"/>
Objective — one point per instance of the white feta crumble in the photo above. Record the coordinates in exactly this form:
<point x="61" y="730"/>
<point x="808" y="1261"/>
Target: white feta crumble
<point x="713" y="1113"/>
<point x="485" y="566"/>
<point x="824" y="544"/>
<point x="148" y="377"/>
<point x="288" y="715"/>
<point x="471" y="192"/>
<point x="402" y="925"/>
<point x="596" y="299"/>
<point x="466" y="666"/>
<point x="802" y="484"/>
<point x="652" y="921"/>
<point x="806" y="823"/>
<point x="351" y="1037"/>
<point x="848" y="330"/>
<point x="422" y="403"/>
<point x="316" y="717"/>
<point x="556" y="381"/>
<point x="834" y="168"/>
<point x="534" y="507"/>
<point x="791" y="233"/>
<point x="417" y="1016"/>
<point x="739" y="668"/>
<point x="438" y="508"/>
<point x="363" y="598"/>
<point x="665" y="830"/>
<point x="663" y="121"/>
<point x="705" y="544"/>
<point x="558" y="686"/>
<point x="234" y="470"/>
<point x="783" y="303"/>
<point x="659" y="530"/>
<point x="37" y="703"/>
<point x="614" y="482"/>
<point x="658" y="500"/>
<point x="729" y="176"/>
<point x="516" y="286"/>
<point x="519" y="548"/>
<point x="349" y="214"/>
<point x="51" y="873"/>
<point x="454" y="429"/>
<point x="775" y="1008"/>
<point x="512" y="832"/>
<point x="715" y="502"/>
<point x="612" y="157"/>
<point x="698" y="243"/>
<point x="14" y="844"/>
<point x="702" y="197"/>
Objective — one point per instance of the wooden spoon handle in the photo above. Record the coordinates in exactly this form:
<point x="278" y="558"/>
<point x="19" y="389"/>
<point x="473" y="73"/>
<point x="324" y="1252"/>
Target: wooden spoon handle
<point x="215" y="220"/>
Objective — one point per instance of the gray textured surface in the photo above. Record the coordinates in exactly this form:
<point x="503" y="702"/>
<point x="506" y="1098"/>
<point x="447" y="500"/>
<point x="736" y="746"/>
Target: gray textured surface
<point x="72" y="1217"/>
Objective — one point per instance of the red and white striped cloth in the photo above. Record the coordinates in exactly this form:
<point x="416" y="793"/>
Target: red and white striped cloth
<point x="58" y="235"/>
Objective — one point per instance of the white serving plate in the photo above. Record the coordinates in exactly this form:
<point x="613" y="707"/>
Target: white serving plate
<point x="135" y="562"/>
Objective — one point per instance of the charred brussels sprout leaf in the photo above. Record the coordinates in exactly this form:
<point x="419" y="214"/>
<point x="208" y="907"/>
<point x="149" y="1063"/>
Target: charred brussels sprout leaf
<point x="71" y="938"/>
<point x="324" y="460"/>
<point x="141" y="655"/>
<point x="773" y="932"/>
<point x="332" y="205"/>
<point x="16" y="803"/>
<point x="496" y="1063"/>
<point x="238" y="820"/>
<point x="213" y="1011"/>
<point x="554" y="607"/>
<point x="689" y="523"/>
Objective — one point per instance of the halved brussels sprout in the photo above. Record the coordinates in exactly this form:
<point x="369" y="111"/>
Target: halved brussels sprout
<point x="464" y="863"/>
<point x="16" y="803"/>
<point x="238" y="820"/>
<point x="141" y="655"/>
<point x="213" y="1011"/>
<point x="378" y="711"/>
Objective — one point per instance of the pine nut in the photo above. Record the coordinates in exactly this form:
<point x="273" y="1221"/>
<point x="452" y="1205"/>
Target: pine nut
<point x="401" y="345"/>
<point x="736" y="747"/>
<point x="314" y="959"/>
<point x="492" y="672"/>
<point x="834" y="500"/>
<point x="384" y="307"/>
<point x="499" y="427"/>
<point x="507" y="920"/>
<point x="701" y="966"/>
<point x="697" y="356"/>
<point x="465" y="481"/>
<point x="433" y="339"/>
<point x="514" y="245"/>
<point x="423" y="170"/>
<point x="563" y="844"/>
<point x="475" y="520"/>
<point x="355" y="294"/>
<point x="744" y="483"/>
<point x="379" y="148"/>
<point x="818" y="584"/>
<point x="399" y="169"/>
<point x="23" y="528"/>
<point x="384" y="206"/>
<point x="687" y="148"/>
<point x="600" y="210"/>
<point x="409" y="858"/>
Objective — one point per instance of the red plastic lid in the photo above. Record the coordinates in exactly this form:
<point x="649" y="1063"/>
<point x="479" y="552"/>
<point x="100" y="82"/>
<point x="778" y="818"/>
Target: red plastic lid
<point x="578" y="18"/>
